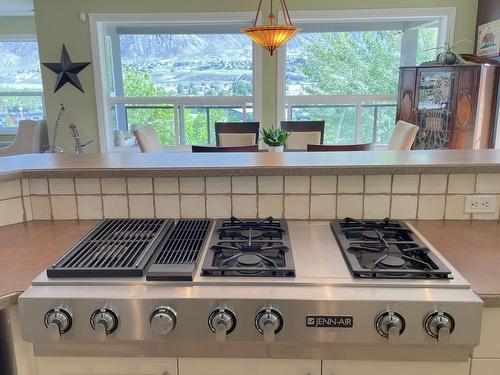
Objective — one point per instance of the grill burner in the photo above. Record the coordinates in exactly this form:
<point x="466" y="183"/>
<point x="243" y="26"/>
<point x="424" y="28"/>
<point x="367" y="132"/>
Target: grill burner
<point x="385" y="249"/>
<point x="249" y="248"/>
<point x="115" y="247"/>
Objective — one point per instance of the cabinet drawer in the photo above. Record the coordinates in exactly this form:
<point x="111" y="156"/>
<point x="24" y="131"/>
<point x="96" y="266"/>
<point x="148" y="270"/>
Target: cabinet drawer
<point x="485" y="367"/>
<point x="335" y="367"/>
<point x="232" y="366"/>
<point x="489" y="347"/>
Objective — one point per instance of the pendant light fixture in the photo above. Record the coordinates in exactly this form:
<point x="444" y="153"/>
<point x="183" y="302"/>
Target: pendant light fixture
<point x="272" y="36"/>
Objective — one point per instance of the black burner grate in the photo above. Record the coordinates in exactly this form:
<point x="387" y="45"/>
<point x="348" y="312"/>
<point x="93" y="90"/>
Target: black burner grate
<point x="179" y="252"/>
<point x="386" y="249"/>
<point x="115" y="247"/>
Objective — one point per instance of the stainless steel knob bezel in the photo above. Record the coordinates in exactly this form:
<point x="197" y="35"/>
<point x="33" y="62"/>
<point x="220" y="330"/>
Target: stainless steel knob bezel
<point x="385" y="314"/>
<point x="222" y="310"/>
<point x="269" y="310"/>
<point x="114" y="320"/>
<point x="167" y="310"/>
<point x="64" y="313"/>
<point x="429" y="324"/>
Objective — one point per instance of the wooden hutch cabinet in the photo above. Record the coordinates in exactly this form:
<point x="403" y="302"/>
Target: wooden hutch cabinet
<point x="454" y="106"/>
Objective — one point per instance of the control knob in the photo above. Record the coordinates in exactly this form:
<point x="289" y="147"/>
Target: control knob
<point x="58" y="321"/>
<point x="222" y="322"/>
<point x="104" y="322"/>
<point x="440" y="325"/>
<point x="163" y="320"/>
<point x="269" y="322"/>
<point x="390" y="325"/>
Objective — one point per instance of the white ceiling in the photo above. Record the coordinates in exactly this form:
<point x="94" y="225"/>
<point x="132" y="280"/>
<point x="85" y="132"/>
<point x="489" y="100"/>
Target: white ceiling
<point x="16" y="7"/>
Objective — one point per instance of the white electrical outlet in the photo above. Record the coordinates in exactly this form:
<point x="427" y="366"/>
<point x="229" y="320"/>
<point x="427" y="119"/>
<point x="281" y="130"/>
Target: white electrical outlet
<point x="480" y="204"/>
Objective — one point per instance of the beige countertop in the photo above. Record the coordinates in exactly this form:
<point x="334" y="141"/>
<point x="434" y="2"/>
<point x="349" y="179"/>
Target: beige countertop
<point x="473" y="247"/>
<point x="238" y="164"/>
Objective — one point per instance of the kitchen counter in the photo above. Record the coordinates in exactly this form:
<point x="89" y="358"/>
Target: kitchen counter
<point x="241" y="164"/>
<point x="27" y="249"/>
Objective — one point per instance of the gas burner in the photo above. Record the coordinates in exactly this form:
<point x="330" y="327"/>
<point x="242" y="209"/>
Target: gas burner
<point x="386" y="249"/>
<point x="249" y="248"/>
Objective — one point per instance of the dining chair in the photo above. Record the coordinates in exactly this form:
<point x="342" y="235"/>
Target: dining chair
<point x="249" y="148"/>
<point x="353" y="147"/>
<point x="31" y="137"/>
<point x="229" y="134"/>
<point x="403" y="136"/>
<point x="147" y="139"/>
<point x="303" y="133"/>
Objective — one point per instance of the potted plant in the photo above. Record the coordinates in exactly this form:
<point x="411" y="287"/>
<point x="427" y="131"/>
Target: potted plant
<point x="448" y="56"/>
<point x="275" y="138"/>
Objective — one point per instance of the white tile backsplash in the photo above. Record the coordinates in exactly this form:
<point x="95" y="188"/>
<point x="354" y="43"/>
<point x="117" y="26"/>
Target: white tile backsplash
<point x="63" y="207"/>
<point x="270" y="184"/>
<point x="455" y="208"/>
<point x="141" y="206"/>
<point x="376" y="184"/>
<point x="349" y="205"/>
<point x="85" y="186"/>
<point x="167" y="206"/>
<point x="461" y="183"/>
<point x="140" y="185"/>
<point x="61" y="186"/>
<point x="297" y="207"/>
<point x="192" y="185"/>
<point x="244" y="185"/>
<point x="404" y="207"/>
<point x="193" y="206"/>
<point x="405" y="184"/>
<point x="433" y="183"/>
<point x="350" y="184"/>
<point x="244" y="206"/>
<point x="431" y="207"/>
<point x="218" y="185"/>
<point x="115" y="206"/>
<point x="270" y="205"/>
<point x="376" y="206"/>
<point x="488" y="183"/>
<point x="297" y="184"/>
<point x="89" y="207"/>
<point x="10" y="189"/>
<point x="40" y="206"/>
<point x="304" y="197"/>
<point x="166" y="185"/>
<point x="323" y="207"/>
<point x="12" y="211"/>
<point x="218" y="206"/>
<point x="113" y="186"/>
<point x="323" y="184"/>
<point x="39" y="186"/>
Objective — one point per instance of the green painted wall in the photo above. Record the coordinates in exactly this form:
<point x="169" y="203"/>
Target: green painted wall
<point x="17" y="25"/>
<point x="57" y="22"/>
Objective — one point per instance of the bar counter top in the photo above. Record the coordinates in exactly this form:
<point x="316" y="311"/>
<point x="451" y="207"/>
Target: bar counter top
<point x="28" y="248"/>
<point x="251" y="164"/>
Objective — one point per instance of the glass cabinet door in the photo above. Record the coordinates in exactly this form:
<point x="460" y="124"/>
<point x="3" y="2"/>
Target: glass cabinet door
<point x="434" y="108"/>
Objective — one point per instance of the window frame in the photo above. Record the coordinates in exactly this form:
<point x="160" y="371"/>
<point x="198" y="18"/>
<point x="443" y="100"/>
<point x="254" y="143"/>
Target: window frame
<point x="104" y="100"/>
<point x="39" y="93"/>
<point x="446" y="26"/>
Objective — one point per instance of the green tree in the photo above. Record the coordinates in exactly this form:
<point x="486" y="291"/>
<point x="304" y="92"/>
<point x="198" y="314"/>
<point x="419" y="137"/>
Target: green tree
<point x="137" y="83"/>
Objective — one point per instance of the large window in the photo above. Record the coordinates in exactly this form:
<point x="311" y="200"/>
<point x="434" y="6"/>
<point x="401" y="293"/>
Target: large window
<point x="178" y="75"/>
<point x="20" y="83"/>
<point x="346" y="70"/>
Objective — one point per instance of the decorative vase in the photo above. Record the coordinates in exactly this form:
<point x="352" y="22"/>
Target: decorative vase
<point x="447" y="58"/>
<point x="275" y="148"/>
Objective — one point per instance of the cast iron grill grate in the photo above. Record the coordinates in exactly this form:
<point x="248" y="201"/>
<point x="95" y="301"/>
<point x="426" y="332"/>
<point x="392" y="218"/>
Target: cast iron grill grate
<point x="114" y="248"/>
<point x="178" y="254"/>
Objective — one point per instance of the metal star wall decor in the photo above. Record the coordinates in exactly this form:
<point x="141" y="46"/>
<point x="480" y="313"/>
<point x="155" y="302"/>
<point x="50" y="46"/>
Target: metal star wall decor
<point x="67" y="71"/>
